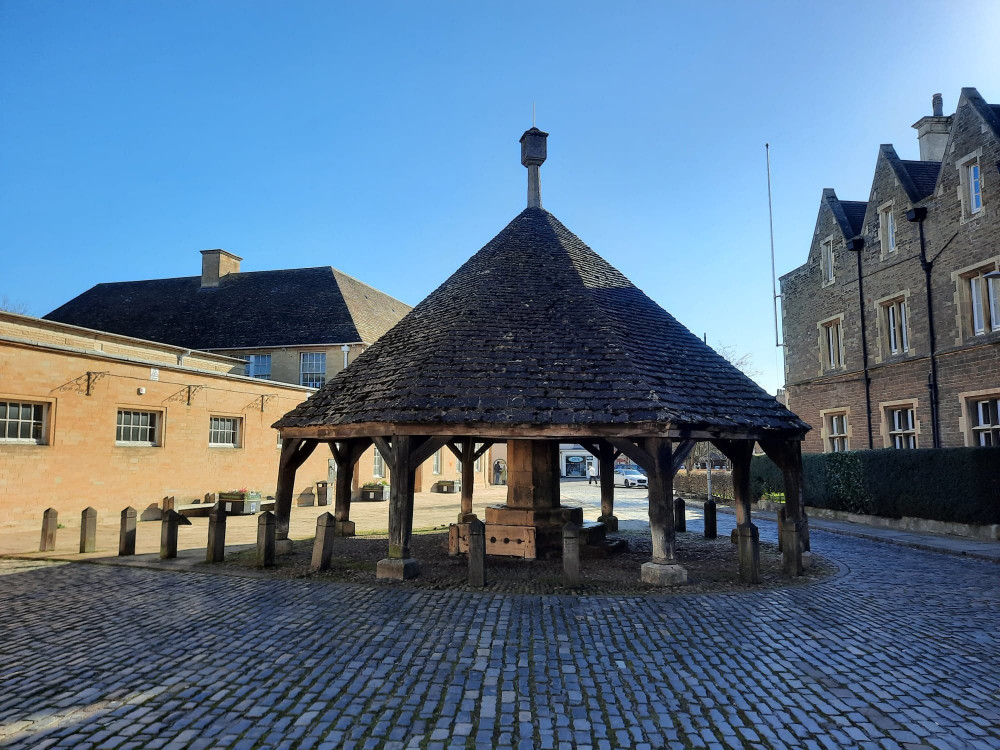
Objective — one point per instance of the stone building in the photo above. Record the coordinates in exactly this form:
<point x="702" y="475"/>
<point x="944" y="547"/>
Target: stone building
<point x="892" y="326"/>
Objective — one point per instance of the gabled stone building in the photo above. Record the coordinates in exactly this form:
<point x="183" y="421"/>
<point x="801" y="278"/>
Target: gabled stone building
<point x="909" y="356"/>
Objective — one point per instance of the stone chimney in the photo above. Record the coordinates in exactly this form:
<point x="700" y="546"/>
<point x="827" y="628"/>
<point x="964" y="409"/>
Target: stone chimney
<point x="533" y="156"/>
<point x="215" y="264"/>
<point x="932" y="131"/>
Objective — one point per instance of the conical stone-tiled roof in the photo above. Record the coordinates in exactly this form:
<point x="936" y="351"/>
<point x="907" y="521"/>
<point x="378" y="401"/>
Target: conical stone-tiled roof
<point x="537" y="335"/>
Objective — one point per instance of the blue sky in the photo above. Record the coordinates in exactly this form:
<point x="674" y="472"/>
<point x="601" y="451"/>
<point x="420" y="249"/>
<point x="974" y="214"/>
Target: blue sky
<point x="381" y="138"/>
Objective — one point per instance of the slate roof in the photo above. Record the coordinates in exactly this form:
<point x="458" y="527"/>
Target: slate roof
<point x="855" y="212"/>
<point x="537" y="329"/>
<point x="924" y="175"/>
<point x="247" y="310"/>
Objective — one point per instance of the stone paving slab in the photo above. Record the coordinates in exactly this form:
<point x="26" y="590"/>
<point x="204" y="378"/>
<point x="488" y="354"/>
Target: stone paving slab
<point x="902" y="649"/>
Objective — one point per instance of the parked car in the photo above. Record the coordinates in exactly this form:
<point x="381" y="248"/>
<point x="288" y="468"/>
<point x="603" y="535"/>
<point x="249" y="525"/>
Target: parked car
<point x="630" y="478"/>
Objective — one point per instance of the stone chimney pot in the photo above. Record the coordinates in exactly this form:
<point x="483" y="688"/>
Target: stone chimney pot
<point x="215" y="264"/>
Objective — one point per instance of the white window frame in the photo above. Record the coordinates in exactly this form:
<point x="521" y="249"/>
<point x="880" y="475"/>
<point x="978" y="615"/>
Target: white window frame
<point x="478" y="467"/>
<point x="974" y="179"/>
<point x="219" y="426"/>
<point x="984" y="414"/>
<point x="378" y="465"/>
<point x="887" y="229"/>
<point x="259" y="366"/>
<point x="125" y="419"/>
<point x="316" y="362"/>
<point x="826" y="261"/>
<point x="832" y="343"/>
<point x="437" y="462"/>
<point x="902" y="423"/>
<point x="896" y="318"/>
<point x="837" y="438"/>
<point x="35" y="422"/>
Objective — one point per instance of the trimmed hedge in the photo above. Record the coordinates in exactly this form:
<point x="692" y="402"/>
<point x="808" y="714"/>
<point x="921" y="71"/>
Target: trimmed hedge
<point x="960" y="485"/>
<point x="696" y="483"/>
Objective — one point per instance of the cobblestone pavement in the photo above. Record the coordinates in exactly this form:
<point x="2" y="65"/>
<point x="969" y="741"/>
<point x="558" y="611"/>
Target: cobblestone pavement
<point x="901" y="650"/>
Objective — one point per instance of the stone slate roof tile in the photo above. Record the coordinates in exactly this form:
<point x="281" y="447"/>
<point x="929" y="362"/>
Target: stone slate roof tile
<point x="537" y="329"/>
<point x="247" y="310"/>
<point x="924" y="175"/>
<point x="855" y="212"/>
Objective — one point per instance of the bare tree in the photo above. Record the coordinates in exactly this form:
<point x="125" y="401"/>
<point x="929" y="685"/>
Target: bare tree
<point x="13" y="306"/>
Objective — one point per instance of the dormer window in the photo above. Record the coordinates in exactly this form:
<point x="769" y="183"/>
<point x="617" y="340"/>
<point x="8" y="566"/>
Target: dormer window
<point x="970" y="189"/>
<point x="826" y="260"/>
<point x="975" y="187"/>
<point x="887" y="229"/>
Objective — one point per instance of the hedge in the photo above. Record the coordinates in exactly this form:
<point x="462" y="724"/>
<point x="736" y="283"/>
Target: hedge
<point x="696" y="483"/>
<point x="960" y="485"/>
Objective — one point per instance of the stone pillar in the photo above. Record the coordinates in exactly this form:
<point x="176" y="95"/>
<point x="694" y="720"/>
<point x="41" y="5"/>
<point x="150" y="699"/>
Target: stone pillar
<point x="265" y="539"/>
<point x="468" y="450"/>
<point x="326" y="527"/>
<point x="533" y="474"/>
<point x="168" y="534"/>
<point x="88" y="530"/>
<point x="680" y="517"/>
<point x="606" y="466"/>
<point x="126" y="539"/>
<point x="50" y="524"/>
<point x="399" y="565"/>
<point x="662" y="570"/>
<point x="216" y="549"/>
<point x="711" y="525"/>
<point x="571" y="555"/>
<point x="477" y="553"/>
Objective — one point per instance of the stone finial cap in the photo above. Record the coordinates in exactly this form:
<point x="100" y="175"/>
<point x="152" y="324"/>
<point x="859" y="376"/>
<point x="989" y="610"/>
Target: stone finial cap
<point x="937" y="105"/>
<point x="533" y="147"/>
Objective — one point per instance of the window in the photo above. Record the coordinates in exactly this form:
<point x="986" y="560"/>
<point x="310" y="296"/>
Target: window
<point x="833" y="346"/>
<point x="22" y="422"/>
<point x="137" y="427"/>
<point x="259" y="366"/>
<point x="437" y="462"/>
<point x="312" y="367"/>
<point x="887" y="229"/>
<point x="836" y="430"/>
<point x="984" y="299"/>
<point x="826" y="260"/>
<point x="975" y="183"/>
<point x="902" y="429"/>
<point x="985" y="421"/>
<point x="224" y="432"/>
<point x="894" y="316"/>
<point x="378" y="465"/>
<point x="479" y="461"/>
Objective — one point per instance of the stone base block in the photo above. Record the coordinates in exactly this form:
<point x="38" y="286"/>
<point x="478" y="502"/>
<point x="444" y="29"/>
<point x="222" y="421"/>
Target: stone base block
<point x="397" y="570"/>
<point x="282" y="547"/>
<point x="807" y="560"/>
<point x="345" y="528"/>
<point x="467" y="517"/>
<point x="663" y="574"/>
<point x="610" y="522"/>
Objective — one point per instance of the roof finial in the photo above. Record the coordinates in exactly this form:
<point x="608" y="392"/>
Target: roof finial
<point x="532" y="156"/>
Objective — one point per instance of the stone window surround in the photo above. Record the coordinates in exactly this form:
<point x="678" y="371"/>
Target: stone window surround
<point x="48" y="420"/>
<point x="883" y="409"/>
<point x="161" y="425"/>
<point x="239" y="430"/>
<point x="882" y="327"/>
<point x="824" y="282"/>
<point x="965" y="400"/>
<point x="884" y="252"/>
<point x="821" y="339"/>
<point x="824" y="416"/>
<point x="962" y="164"/>
<point x="963" y="300"/>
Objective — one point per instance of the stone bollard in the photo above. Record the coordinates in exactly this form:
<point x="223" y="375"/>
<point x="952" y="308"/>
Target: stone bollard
<point x="680" y="521"/>
<point x="326" y="528"/>
<point x="126" y="539"/>
<point x="50" y="524"/>
<point x="265" y="539"/>
<point x="169" y="503"/>
<point x="216" y="550"/>
<point x="748" y="553"/>
<point x="477" y="553"/>
<point x="711" y="527"/>
<point x="168" y="534"/>
<point x="571" y="555"/>
<point x="88" y="530"/>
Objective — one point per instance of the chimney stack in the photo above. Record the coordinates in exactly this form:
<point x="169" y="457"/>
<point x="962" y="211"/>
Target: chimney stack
<point x="533" y="156"/>
<point x="215" y="264"/>
<point x="933" y="130"/>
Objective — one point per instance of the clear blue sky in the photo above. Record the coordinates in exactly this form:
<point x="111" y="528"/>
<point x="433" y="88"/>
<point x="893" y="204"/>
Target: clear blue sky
<point x="381" y="138"/>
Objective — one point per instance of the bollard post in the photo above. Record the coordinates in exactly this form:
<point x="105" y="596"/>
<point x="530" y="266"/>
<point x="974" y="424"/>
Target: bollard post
<point x="168" y="535"/>
<point x="571" y="555"/>
<point x="748" y="553"/>
<point x="88" y="530"/>
<point x="680" y="522"/>
<point x="50" y="524"/>
<point x="326" y="527"/>
<point x="216" y="549"/>
<point x="265" y="539"/>
<point x="781" y="529"/>
<point x="711" y="527"/>
<point x="477" y="553"/>
<point x="126" y="539"/>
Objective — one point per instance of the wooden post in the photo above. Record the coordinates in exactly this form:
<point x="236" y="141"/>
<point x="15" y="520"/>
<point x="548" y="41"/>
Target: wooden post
<point x="680" y="517"/>
<point x="346" y="454"/>
<point x="468" y="460"/>
<point x="50" y="524"/>
<point x="216" y="548"/>
<point x="711" y="524"/>
<point x="740" y="453"/>
<point x="782" y="517"/>
<point x="88" y="530"/>
<point x="265" y="539"/>
<point x="399" y="565"/>
<point x="168" y="534"/>
<point x="326" y="527"/>
<point x="662" y="570"/>
<point x="571" y="555"/>
<point x="126" y="539"/>
<point x="294" y="452"/>
<point x="788" y="455"/>
<point x="477" y="553"/>
<point x="606" y="467"/>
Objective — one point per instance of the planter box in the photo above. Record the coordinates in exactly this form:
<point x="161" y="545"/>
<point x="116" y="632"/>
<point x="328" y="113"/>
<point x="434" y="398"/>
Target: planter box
<point x="240" y="503"/>
<point x="447" y="487"/>
<point x="374" y="494"/>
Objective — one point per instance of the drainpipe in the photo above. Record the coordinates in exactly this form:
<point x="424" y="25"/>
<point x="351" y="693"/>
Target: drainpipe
<point x="918" y="215"/>
<point x="856" y="245"/>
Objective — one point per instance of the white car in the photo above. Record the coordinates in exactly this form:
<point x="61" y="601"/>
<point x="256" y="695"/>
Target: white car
<point x="630" y="478"/>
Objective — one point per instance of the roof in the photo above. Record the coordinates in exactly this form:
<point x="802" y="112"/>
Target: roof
<point x="924" y="175"/>
<point x="536" y="329"/>
<point x="855" y="213"/>
<point x="247" y="310"/>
